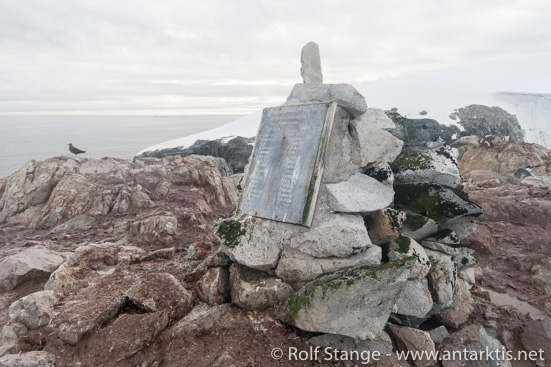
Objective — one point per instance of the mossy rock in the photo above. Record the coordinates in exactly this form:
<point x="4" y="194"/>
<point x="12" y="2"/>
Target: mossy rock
<point x="229" y="231"/>
<point x="434" y="201"/>
<point x="415" y="222"/>
<point x="411" y="159"/>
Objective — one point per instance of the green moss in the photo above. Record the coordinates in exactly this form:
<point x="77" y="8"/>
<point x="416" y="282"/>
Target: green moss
<point x="415" y="222"/>
<point x="411" y="159"/>
<point x="230" y="231"/>
<point x="250" y="275"/>
<point x="403" y="243"/>
<point x="296" y="303"/>
<point x="421" y="198"/>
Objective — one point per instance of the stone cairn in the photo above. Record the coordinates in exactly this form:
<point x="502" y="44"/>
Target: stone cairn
<point x="382" y="254"/>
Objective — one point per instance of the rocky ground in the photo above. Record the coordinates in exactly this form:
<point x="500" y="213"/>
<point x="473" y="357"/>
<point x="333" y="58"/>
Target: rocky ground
<point x="109" y="262"/>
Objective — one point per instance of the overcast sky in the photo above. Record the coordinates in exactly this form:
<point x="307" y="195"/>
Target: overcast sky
<point x="220" y="56"/>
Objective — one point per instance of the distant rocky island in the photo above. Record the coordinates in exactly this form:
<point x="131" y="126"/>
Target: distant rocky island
<point x="424" y="237"/>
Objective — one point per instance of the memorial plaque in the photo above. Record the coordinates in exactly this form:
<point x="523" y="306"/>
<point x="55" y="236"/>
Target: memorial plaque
<point x="286" y="165"/>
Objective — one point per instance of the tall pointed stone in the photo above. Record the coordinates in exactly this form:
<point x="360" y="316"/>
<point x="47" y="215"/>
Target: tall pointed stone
<point x="311" y="64"/>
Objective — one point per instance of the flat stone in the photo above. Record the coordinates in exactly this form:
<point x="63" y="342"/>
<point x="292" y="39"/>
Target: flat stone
<point x="29" y="359"/>
<point x="378" y="118"/>
<point x="296" y="267"/>
<point x="367" y="295"/>
<point x="376" y="144"/>
<point x="255" y="290"/>
<point x="345" y="95"/>
<point x="285" y="171"/>
<point x="311" y="64"/>
<point x="34" y="263"/>
<point x="360" y="194"/>
<point x="81" y="221"/>
<point x="418" y="226"/>
<point x="438" y="166"/>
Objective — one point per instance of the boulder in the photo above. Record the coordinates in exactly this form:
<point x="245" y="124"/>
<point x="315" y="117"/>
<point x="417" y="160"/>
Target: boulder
<point x="296" y="267"/>
<point x="311" y="64"/>
<point x="214" y="287"/>
<point x="462" y="226"/>
<point x="35" y="263"/>
<point x="199" y="321"/>
<point x="29" y="359"/>
<point x="158" y="228"/>
<point x="9" y="339"/>
<point x="95" y="256"/>
<point x="366" y="293"/>
<point x="442" y="278"/>
<point x="536" y="336"/>
<point x="385" y="225"/>
<point x="434" y="201"/>
<point x="474" y="339"/>
<point x="438" y="166"/>
<point x="465" y="143"/>
<point x="462" y="306"/>
<point x="377" y="145"/>
<point x="404" y="247"/>
<point x="461" y="256"/>
<point x="360" y="194"/>
<point x="62" y="280"/>
<point x="34" y="310"/>
<point x="161" y="292"/>
<point x="413" y="303"/>
<point x="378" y="118"/>
<point x="255" y="290"/>
<point x="438" y="335"/>
<point x="345" y="95"/>
<point x="483" y="120"/>
<point x="79" y="222"/>
<point x="93" y="166"/>
<point x="364" y="349"/>
<point x="419" y="132"/>
<point x="413" y="341"/>
<point x="418" y="226"/>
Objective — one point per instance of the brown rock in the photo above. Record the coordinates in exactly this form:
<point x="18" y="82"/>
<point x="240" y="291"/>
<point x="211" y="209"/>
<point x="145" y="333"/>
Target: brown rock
<point x="413" y="340"/>
<point x="384" y="225"/>
<point x="536" y="336"/>
<point x="214" y="287"/>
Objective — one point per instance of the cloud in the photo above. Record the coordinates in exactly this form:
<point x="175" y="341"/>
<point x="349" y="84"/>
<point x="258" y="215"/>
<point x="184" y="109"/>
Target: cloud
<point x="225" y="56"/>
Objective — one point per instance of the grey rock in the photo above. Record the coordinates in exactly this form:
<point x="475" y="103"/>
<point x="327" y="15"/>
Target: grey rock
<point x="431" y="166"/>
<point x="361" y="348"/>
<point x="483" y="120"/>
<point x="255" y="290"/>
<point x="378" y="118"/>
<point x="34" y="310"/>
<point x="418" y="226"/>
<point x="434" y="201"/>
<point x="380" y="171"/>
<point x="468" y="275"/>
<point x="296" y="267"/>
<point x="345" y="95"/>
<point x="442" y="277"/>
<point x="404" y="247"/>
<point x="465" y="143"/>
<point x="461" y="256"/>
<point x="214" y="287"/>
<point x="439" y="334"/>
<point x="419" y="132"/>
<point x="311" y="64"/>
<point x="412" y="340"/>
<point x="31" y="263"/>
<point x="414" y="300"/>
<point x="233" y="150"/>
<point x="474" y="338"/>
<point x="9" y="341"/>
<point x="80" y="222"/>
<point x="200" y="320"/>
<point x="376" y="144"/>
<point x="367" y="295"/>
<point x="29" y="359"/>
<point x="95" y="166"/>
<point x="462" y="226"/>
<point x="360" y="194"/>
<point x="462" y="307"/>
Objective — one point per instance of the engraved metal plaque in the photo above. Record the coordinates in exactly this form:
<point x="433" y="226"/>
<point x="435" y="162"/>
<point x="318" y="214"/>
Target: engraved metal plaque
<point x="286" y="166"/>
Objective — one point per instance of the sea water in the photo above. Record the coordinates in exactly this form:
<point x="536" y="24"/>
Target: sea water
<point x="26" y="137"/>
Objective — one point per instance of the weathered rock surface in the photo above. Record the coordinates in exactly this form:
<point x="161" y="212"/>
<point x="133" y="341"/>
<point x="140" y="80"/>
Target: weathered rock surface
<point x="377" y="145"/>
<point x="385" y="225"/>
<point x="214" y="287"/>
<point x="34" y="310"/>
<point x="31" y="263"/>
<point x="537" y="336"/>
<point x="483" y="120"/>
<point x="344" y="94"/>
<point x="311" y="64"/>
<point x="437" y="166"/>
<point x="418" y="226"/>
<point x="29" y="359"/>
<point x="465" y="143"/>
<point x="158" y="228"/>
<point x="351" y="345"/>
<point x="462" y="306"/>
<point x="419" y="132"/>
<point x="476" y="339"/>
<point x="439" y="334"/>
<point x="412" y="340"/>
<point x="414" y="302"/>
<point x="367" y="294"/>
<point x="255" y="290"/>
<point x="234" y="150"/>
<point x="404" y="247"/>
<point x="380" y="171"/>
<point x="376" y="117"/>
<point x="81" y="221"/>
<point x="442" y="278"/>
<point x="360" y="194"/>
